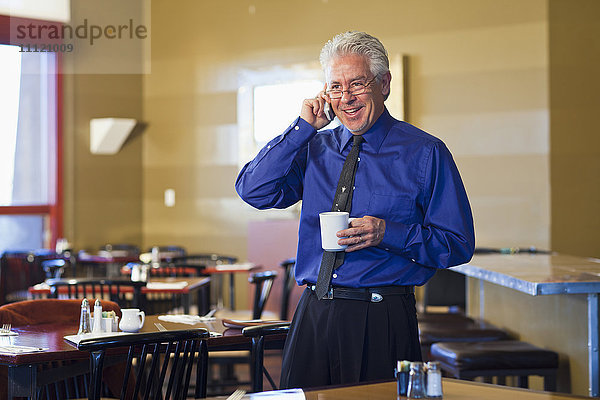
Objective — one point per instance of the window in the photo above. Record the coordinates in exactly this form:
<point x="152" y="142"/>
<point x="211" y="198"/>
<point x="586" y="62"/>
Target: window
<point x="30" y="206"/>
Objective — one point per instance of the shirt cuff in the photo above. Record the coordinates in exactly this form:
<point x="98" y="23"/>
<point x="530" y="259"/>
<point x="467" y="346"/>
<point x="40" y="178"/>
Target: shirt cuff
<point x="300" y="132"/>
<point x="395" y="236"/>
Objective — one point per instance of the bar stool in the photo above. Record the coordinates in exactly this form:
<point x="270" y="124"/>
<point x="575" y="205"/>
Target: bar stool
<point x="447" y="288"/>
<point x="499" y="358"/>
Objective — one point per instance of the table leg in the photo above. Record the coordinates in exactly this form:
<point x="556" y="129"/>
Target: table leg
<point x="593" y="355"/>
<point x="231" y="292"/>
<point x="185" y="299"/>
<point x="22" y="381"/>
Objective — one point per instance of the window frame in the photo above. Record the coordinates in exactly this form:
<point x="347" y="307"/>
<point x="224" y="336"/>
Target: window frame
<point x="53" y="211"/>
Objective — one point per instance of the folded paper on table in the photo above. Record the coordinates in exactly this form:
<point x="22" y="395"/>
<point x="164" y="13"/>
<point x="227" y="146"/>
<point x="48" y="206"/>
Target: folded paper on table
<point x="14" y="349"/>
<point x="235" y="267"/>
<point x="75" y="339"/>
<point x="41" y="286"/>
<point x="185" y="319"/>
<point x="166" y="285"/>
<point x="240" y="324"/>
<point x="288" y="394"/>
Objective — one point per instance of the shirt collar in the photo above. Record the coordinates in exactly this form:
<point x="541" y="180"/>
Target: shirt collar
<point x="374" y="136"/>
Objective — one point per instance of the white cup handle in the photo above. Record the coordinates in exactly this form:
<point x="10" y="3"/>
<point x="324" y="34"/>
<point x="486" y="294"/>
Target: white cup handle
<point x="143" y="315"/>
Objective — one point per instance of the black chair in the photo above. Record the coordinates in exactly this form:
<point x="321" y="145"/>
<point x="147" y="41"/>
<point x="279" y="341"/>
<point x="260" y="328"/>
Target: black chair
<point x="257" y="334"/>
<point x="173" y="350"/>
<point x="287" y="286"/>
<point x="125" y="293"/>
<point x="21" y="269"/>
<point x="54" y="268"/>
<point x="263" y="282"/>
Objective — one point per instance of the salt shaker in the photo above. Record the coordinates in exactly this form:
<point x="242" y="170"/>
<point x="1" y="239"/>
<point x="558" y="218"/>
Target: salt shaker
<point x="84" y="318"/>
<point x="97" y="327"/>
<point x="434" y="380"/>
<point x="416" y="381"/>
<point x="155" y="257"/>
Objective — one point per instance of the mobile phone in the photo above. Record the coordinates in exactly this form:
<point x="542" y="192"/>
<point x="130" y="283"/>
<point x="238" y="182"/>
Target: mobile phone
<point x="328" y="112"/>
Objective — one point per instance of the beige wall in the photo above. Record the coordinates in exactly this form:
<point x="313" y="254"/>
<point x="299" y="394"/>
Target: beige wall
<point x="574" y="139"/>
<point x="478" y="74"/>
<point x="102" y="193"/>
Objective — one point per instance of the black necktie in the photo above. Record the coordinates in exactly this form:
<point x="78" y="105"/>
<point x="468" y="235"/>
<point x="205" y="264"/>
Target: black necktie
<point x="341" y="202"/>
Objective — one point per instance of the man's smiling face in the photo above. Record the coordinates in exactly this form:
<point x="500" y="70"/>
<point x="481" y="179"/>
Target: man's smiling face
<point x="357" y="112"/>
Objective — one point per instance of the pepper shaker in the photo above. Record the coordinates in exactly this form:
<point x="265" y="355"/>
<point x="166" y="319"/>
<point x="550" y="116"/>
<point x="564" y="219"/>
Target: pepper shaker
<point x="416" y="381"/>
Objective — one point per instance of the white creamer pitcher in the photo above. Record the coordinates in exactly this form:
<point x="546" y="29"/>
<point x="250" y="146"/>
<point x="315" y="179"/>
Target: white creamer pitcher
<point x="130" y="320"/>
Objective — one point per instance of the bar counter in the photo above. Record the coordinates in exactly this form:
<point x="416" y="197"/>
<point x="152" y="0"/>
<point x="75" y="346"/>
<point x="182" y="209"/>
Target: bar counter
<point x="546" y="274"/>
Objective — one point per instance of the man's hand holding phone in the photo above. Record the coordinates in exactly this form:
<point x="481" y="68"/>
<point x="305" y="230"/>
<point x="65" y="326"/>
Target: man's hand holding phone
<point x="317" y="111"/>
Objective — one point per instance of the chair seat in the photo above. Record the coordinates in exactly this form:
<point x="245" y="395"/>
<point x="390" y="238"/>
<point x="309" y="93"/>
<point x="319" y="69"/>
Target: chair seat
<point x="444" y="318"/>
<point x="495" y="355"/>
<point x="431" y="336"/>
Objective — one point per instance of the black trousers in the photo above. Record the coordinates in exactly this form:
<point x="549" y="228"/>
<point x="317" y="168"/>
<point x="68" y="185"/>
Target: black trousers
<point x="342" y="341"/>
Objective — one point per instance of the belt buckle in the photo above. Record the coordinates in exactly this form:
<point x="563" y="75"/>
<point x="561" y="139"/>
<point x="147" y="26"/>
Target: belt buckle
<point x="376" y="297"/>
<point x="329" y="295"/>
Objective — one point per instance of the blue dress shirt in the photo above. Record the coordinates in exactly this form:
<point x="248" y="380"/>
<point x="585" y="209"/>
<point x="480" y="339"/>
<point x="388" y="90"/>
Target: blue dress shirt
<point x="404" y="176"/>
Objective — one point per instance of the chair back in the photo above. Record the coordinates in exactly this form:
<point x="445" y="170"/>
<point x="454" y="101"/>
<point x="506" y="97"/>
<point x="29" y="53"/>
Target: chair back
<point x="263" y="282"/>
<point x="21" y="269"/>
<point x="54" y="268"/>
<point x="446" y="288"/>
<point x="126" y="293"/>
<point x="288" y="284"/>
<point x="45" y="311"/>
<point x="120" y="249"/>
<point x="154" y="356"/>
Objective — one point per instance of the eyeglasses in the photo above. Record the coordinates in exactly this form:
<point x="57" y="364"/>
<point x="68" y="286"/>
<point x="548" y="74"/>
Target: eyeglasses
<point x="355" y="89"/>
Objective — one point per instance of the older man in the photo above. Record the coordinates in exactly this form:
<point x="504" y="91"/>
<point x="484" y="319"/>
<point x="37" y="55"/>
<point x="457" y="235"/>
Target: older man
<point x="357" y="315"/>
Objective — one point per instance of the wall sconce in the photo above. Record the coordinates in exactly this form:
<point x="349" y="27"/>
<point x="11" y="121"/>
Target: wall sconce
<point x="107" y="135"/>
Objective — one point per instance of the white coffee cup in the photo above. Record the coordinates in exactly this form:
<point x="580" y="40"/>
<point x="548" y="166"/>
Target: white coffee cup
<point x="331" y="223"/>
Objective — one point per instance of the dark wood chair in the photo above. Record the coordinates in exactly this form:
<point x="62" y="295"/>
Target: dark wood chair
<point x="257" y="334"/>
<point x="126" y="293"/>
<point x="21" y="269"/>
<point x="163" y="363"/>
<point x="287" y="286"/>
<point x="54" y="268"/>
<point x="225" y="361"/>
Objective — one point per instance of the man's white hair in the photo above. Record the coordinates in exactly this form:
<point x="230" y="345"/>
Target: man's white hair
<point x="360" y="43"/>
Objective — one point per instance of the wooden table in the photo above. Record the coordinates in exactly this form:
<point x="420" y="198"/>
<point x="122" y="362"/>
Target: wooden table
<point x="23" y="374"/>
<point x="179" y="286"/>
<point x="453" y="390"/>
<point x="546" y="274"/>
